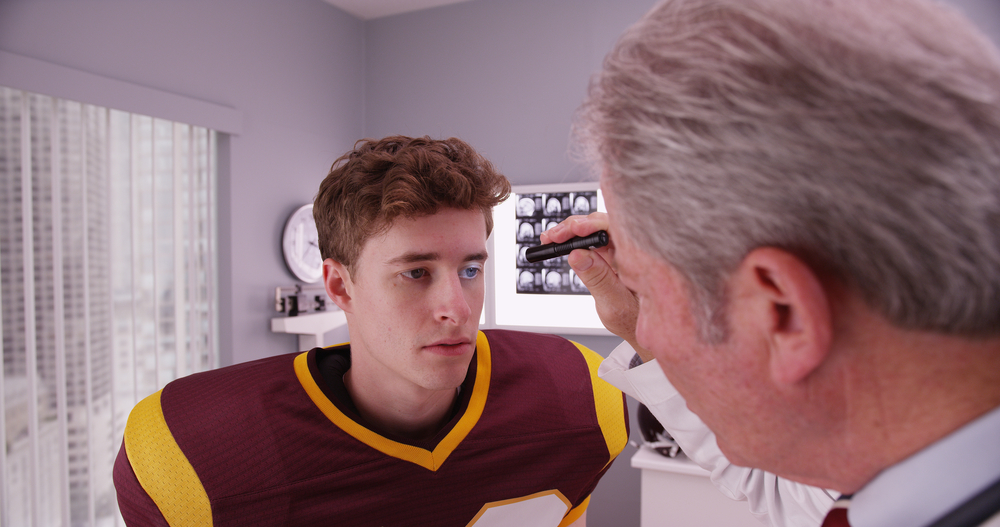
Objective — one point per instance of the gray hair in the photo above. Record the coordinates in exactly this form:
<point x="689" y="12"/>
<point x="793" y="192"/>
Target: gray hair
<point x="861" y="135"/>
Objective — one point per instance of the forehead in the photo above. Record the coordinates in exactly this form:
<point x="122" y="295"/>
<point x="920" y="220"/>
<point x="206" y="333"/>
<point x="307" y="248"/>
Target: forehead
<point x="634" y="264"/>
<point x="444" y="232"/>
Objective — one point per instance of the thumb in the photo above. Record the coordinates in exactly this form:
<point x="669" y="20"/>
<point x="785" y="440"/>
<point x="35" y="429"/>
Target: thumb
<point x="617" y="307"/>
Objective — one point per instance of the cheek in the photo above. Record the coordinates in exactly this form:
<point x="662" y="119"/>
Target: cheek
<point x="665" y="327"/>
<point x="651" y="330"/>
<point x="475" y="296"/>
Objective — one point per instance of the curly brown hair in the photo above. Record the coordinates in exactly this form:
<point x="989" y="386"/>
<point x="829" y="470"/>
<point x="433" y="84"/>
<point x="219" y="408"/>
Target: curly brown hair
<point x="381" y="180"/>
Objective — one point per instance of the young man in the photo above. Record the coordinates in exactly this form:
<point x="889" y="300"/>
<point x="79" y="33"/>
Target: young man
<point x="804" y="197"/>
<point x="421" y="419"/>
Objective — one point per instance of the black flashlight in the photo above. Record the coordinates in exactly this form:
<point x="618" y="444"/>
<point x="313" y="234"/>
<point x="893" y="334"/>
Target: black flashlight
<point x="554" y="250"/>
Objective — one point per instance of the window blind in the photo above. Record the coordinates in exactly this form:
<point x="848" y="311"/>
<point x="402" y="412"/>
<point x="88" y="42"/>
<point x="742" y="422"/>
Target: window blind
<point x="107" y="292"/>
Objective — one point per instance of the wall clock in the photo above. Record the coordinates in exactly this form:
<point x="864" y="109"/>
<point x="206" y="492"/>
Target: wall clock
<point x="300" y="245"/>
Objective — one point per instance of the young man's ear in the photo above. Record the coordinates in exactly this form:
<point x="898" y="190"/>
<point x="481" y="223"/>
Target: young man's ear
<point x="788" y="303"/>
<point x="339" y="286"/>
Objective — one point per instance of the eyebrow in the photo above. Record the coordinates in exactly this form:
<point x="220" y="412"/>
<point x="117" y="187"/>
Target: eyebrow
<point x="410" y="258"/>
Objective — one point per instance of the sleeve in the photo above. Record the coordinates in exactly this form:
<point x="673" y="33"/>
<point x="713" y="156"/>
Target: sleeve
<point x="155" y="482"/>
<point x="136" y="507"/>
<point x="612" y="416"/>
<point x="778" y="502"/>
<point x="609" y="405"/>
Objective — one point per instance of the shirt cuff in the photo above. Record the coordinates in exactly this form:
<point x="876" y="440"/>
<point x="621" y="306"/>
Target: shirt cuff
<point x="646" y="383"/>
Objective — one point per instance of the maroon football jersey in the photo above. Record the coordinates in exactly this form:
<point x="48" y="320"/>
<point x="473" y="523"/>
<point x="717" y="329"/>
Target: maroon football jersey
<point x="263" y="443"/>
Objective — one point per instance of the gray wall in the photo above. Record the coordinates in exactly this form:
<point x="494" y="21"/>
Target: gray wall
<point x="505" y="75"/>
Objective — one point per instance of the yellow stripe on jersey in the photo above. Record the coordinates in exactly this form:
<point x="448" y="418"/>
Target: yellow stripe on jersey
<point x="575" y="514"/>
<point x="609" y="404"/>
<point x="418" y="456"/>
<point x="162" y="468"/>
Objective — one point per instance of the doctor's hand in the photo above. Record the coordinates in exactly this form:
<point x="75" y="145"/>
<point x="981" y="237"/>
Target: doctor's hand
<point x="616" y="305"/>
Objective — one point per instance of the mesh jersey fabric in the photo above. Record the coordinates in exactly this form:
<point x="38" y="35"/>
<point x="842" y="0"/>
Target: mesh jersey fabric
<point x="268" y="447"/>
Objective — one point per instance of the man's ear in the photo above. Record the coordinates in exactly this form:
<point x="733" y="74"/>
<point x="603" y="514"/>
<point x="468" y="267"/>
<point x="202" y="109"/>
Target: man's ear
<point x="790" y="305"/>
<point x="339" y="286"/>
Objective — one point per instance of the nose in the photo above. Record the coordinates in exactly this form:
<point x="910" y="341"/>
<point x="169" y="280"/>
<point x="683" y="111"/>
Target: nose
<point x="452" y="303"/>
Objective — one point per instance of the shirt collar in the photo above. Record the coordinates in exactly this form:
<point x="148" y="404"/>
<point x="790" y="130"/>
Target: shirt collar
<point x="935" y="480"/>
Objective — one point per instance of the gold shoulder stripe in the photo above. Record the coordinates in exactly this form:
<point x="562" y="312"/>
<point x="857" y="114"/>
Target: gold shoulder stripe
<point x="418" y="456"/>
<point x="609" y="404"/>
<point x="162" y="468"/>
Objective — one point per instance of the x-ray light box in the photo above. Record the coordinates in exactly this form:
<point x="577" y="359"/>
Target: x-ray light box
<point x="545" y="295"/>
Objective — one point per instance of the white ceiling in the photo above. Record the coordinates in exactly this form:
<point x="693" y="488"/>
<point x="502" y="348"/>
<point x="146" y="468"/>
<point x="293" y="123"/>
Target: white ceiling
<point x="369" y="9"/>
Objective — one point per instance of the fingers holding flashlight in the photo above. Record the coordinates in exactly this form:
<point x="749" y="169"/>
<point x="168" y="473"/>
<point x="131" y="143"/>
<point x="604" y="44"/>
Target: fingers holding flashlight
<point x="582" y="226"/>
<point x="575" y="226"/>
<point x="616" y="305"/>
<point x="555" y="250"/>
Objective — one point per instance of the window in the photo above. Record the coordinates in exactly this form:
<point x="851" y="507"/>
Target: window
<point x="107" y="282"/>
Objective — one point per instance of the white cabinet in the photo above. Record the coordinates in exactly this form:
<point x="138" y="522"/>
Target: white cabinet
<point x="678" y="493"/>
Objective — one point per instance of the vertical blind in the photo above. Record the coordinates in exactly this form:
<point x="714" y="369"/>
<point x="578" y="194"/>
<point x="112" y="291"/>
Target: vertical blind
<point x="107" y="282"/>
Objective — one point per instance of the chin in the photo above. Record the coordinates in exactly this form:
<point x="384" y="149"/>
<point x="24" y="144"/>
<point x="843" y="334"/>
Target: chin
<point x="447" y="377"/>
<point x="441" y="385"/>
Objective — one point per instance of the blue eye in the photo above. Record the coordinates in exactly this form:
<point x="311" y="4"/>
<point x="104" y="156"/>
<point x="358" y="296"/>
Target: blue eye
<point x="415" y="274"/>
<point x="470" y="272"/>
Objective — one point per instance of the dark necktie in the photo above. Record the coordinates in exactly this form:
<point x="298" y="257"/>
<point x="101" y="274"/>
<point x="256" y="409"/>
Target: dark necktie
<point x="837" y="517"/>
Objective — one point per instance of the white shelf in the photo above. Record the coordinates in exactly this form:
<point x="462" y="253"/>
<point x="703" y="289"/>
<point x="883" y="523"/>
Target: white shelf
<point x="310" y="327"/>
<point x="647" y="458"/>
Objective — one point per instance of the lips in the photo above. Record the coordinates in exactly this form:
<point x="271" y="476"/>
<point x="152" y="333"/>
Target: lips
<point x="450" y="347"/>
